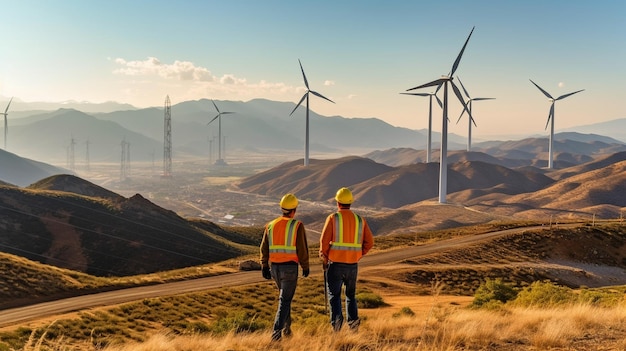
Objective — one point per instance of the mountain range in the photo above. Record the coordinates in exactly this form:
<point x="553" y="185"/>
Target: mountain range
<point x="257" y="126"/>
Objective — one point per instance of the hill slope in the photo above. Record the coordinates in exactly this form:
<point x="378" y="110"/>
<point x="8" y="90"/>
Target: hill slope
<point x="105" y="236"/>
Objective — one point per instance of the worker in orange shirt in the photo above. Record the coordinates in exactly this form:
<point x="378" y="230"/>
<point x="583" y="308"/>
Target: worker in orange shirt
<point x="346" y="238"/>
<point x="283" y="247"/>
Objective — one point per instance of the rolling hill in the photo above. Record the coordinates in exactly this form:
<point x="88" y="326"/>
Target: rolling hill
<point x="101" y="233"/>
<point x="21" y="171"/>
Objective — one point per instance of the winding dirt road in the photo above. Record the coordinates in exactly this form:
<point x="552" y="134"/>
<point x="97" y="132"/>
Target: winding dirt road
<point x="15" y="316"/>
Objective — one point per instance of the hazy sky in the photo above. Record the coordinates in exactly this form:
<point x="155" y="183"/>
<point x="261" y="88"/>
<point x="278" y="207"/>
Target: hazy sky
<point x="361" y="54"/>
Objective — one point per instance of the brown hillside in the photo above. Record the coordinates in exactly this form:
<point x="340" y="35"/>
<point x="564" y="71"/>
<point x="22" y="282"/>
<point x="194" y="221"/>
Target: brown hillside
<point x="319" y="181"/>
<point x="103" y="237"/>
<point x="589" y="166"/>
<point x="76" y="185"/>
<point x="597" y="192"/>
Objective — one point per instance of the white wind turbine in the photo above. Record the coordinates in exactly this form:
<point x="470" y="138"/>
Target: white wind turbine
<point x="430" y="118"/>
<point x="445" y="81"/>
<point x="551" y="119"/>
<point x="306" y="96"/>
<point x="6" y="124"/>
<point x="220" y="160"/>
<point x="471" y="118"/>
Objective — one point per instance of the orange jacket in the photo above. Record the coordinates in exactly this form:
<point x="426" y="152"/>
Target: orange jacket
<point x="284" y="240"/>
<point x="346" y="237"/>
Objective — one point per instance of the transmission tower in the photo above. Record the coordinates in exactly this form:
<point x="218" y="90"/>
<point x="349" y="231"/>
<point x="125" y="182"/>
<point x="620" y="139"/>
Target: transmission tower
<point x="167" y="142"/>
<point x="71" y="154"/>
<point x="125" y="160"/>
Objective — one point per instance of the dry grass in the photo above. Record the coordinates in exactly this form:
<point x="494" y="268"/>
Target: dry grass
<point x="578" y="327"/>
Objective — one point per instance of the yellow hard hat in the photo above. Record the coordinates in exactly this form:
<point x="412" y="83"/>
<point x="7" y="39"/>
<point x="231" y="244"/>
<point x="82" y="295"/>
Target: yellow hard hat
<point x="344" y="196"/>
<point x="289" y="202"/>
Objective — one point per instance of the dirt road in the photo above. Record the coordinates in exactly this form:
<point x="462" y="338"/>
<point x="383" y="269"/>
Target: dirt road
<point x="15" y="316"/>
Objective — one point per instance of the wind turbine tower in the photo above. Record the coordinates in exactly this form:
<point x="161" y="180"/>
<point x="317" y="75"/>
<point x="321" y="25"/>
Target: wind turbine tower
<point x="167" y="139"/>
<point x="430" y="119"/>
<point x="551" y="119"/>
<point x="470" y="118"/>
<point x="220" y="158"/>
<point x="6" y="125"/>
<point x="306" y="96"/>
<point x="445" y="81"/>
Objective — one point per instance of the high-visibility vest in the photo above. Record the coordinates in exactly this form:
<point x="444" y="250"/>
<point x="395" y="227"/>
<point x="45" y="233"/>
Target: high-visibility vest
<point x="347" y="243"/>
<point x="281" y="234"/>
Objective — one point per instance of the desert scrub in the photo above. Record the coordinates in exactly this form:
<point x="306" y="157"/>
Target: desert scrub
<point x="492" y="293"/>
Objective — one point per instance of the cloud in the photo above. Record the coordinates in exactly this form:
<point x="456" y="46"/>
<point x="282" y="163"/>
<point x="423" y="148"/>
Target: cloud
<point x="561" y="84"/>
<point x="179" y="70"/>
<point x="329" y="82"/>
<point x="351" y="96"/>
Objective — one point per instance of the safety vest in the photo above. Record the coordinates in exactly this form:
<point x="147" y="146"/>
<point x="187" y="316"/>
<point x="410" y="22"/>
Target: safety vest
<point x="347" y="244"/>
<point x="281" y="234"/>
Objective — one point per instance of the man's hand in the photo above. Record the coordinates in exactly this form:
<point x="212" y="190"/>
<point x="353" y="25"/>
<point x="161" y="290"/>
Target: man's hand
<point x="266" y="273"/>
<point x="305" y="272"/>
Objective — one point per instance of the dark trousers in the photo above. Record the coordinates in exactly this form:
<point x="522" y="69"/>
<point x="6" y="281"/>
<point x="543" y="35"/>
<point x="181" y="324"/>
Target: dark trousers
<point x="286" y="278"/>
<point x="338" y="275"/>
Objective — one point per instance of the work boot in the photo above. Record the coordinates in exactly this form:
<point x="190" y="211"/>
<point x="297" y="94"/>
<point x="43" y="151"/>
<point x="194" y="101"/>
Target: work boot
<point x="354" y="325"/>
<point x="276" y="335"/>
<point x="287" y="333"/>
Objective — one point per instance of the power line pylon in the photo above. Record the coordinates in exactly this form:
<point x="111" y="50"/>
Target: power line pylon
<point x="167" y="136"/>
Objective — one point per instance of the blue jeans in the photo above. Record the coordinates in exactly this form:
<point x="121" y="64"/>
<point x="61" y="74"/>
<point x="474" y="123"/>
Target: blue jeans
<point x="339" y="274"/>
<point x="286" y="278"/>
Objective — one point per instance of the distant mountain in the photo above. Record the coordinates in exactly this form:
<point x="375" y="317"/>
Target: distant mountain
<point x="49" y="138"/>
<point x="615" y="129"/>
<point x="18" y="106"/>
<point x="108" y="235"/>
<point x="21" y="171"/>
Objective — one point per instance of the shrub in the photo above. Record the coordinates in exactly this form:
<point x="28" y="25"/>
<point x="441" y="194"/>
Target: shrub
<point x="369" y="300"/>
<point x="404" y="311"/>
<point x="238" y="322"/>
<point x="544" y="294"/>
<point x="493" y="291"/>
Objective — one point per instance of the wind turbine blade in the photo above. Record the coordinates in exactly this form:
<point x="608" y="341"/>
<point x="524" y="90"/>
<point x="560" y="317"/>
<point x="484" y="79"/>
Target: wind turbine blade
<point x="472" y="119"/>
<point x="543" y="91"/>
<point x="439" y="101"/>
<point x="461" y="115"/>
<point x="299" y="103"/>
<point x="437" y="82"/>
<point x="226" y="113"/>
<point x="214" y="118"/>
<point x="462" y="86"/>
<point x="416" y="94"/>
<point x="457" y="92"/>
<point x="566" y="95"/>
<point x="306" y="82"/>
<point x="320" y="95"/>
<point x="458" y="58"/>
<point x="7" y="109"/>
<point x="550" y="114"/>
<point x="479" y="99"/>
<point x="218" y="110"/>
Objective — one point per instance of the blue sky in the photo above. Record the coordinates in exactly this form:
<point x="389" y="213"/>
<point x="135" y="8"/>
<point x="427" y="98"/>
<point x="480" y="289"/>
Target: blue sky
<point x="361" y="54"/>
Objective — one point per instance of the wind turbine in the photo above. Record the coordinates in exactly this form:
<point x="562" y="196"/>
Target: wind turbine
<point x="471" y="119"/>
<point x="6" y="125"/>
<point x="445" y="81"/>
<point x="430" y="118"/>
<point x="220" y="160"/>
<point x="551" y="118"/>
<point x="306" y="96"/>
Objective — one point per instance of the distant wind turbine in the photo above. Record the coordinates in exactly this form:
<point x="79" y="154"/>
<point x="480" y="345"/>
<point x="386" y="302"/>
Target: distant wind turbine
<point x="551" y="119"/>
<point x="306" y="96"/>
<point x="471" y="118"/>
<point x="6" y="125"/>
<point x="445" y="81"/>
<point x="430" y="118"/>
<point x="220" y="160"/>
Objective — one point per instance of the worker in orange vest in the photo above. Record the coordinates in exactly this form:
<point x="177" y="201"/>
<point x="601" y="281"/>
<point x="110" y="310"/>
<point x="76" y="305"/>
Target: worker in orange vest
<point x="283" y="247"/>
<point x="346" y="238"/>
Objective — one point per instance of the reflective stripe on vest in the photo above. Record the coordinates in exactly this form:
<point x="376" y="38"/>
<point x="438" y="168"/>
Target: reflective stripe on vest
<point x="289" y="236"/>
<point x="338" y="243"/>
